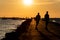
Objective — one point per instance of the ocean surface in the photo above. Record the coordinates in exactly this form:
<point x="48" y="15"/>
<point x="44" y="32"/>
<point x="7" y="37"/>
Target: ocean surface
<point x="57" y="20"/>
<point x="8" y="25"/>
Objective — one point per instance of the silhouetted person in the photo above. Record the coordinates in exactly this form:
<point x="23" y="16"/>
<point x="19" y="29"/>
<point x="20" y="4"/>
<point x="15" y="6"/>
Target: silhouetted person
<point x="46" y="19"/>
<point x="37" y="19"/>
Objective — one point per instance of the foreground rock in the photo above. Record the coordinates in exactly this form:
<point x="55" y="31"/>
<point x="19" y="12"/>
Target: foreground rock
<point x="21" y="29"/>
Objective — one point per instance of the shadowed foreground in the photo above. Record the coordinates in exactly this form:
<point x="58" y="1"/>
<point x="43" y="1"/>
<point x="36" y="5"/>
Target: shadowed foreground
<point x="27" y="31"/>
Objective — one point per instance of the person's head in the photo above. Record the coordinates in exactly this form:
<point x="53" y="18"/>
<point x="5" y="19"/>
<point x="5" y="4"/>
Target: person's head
<point x="46" y="12"/>
<point x="38" y="13"/>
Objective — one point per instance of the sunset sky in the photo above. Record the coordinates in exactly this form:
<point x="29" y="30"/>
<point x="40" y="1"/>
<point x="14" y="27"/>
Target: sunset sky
<point x="16" y="8"/>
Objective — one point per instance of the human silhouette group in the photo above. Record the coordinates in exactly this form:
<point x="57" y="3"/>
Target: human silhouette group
<point x="46" y="19"/>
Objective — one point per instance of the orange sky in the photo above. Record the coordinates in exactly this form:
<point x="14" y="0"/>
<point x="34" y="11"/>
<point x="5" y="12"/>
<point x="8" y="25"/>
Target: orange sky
<point x="15" y="8"/>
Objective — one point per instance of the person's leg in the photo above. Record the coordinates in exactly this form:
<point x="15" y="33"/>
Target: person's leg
<point x="36" y="25"/>
<point x="46" y="24"/>
<point x="37" y="22"/>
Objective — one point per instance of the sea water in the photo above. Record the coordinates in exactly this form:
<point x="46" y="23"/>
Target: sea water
<point x="8" y="25"/>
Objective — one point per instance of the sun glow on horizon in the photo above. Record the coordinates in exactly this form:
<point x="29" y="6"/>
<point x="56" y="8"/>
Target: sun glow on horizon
<point x="27" y="2"/>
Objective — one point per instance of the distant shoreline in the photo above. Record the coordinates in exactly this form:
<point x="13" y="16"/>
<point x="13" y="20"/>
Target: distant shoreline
<point x="14" y="18"/>
<point x="56" y="20"/>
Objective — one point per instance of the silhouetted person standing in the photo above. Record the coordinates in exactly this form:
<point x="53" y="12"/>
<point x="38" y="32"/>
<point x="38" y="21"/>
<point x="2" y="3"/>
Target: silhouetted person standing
<point x="46" y="19"/>
<point x="37" y="19"/>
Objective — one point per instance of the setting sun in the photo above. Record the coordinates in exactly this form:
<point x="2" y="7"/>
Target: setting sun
<point x="27" y="2"/>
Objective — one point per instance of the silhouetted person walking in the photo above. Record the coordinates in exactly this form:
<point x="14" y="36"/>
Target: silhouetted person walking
<point x="37" y="19"/>
<point x="46" y="19"/>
